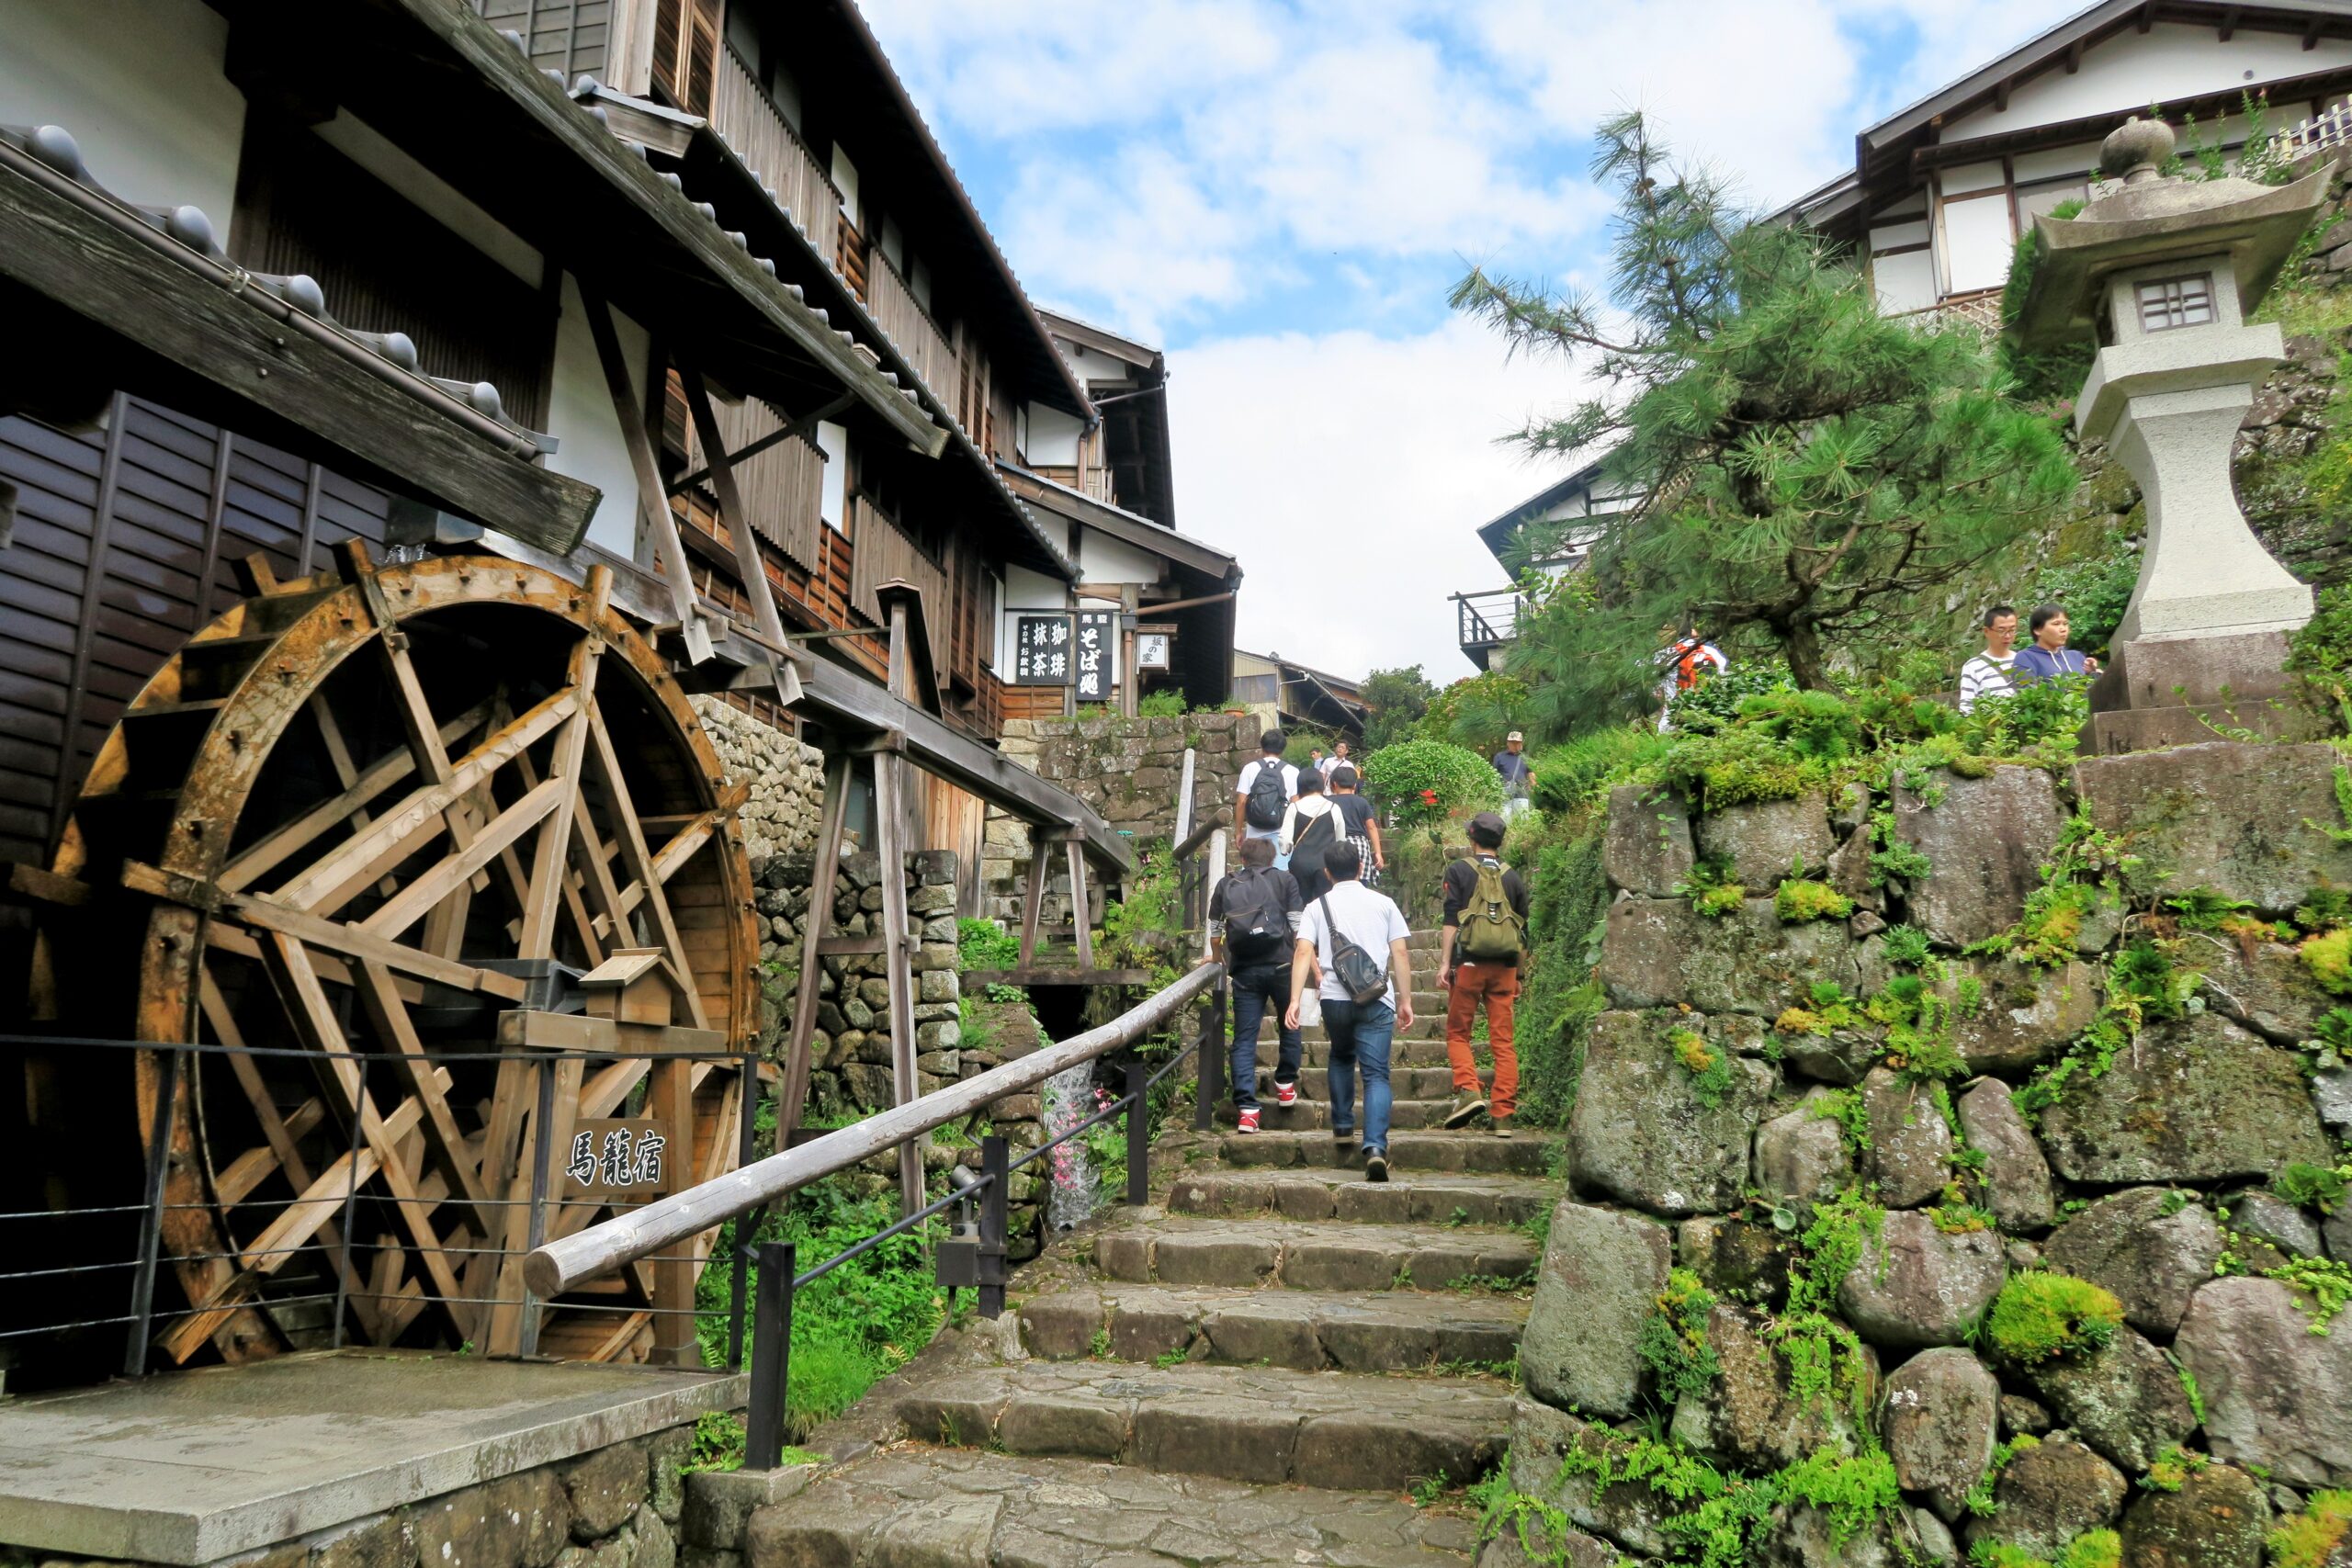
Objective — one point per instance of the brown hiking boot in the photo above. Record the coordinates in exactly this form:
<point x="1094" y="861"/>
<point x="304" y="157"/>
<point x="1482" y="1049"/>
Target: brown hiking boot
<point x="1502" y="1126"/>
<point x="1467" y="1108"/>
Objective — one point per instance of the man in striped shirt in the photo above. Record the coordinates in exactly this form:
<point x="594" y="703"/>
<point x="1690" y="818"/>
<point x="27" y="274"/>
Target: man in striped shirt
<point x="1989" y="674"/>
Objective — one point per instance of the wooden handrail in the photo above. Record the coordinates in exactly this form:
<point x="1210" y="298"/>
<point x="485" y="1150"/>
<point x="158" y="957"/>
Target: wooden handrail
<point x="665" y="1223"/>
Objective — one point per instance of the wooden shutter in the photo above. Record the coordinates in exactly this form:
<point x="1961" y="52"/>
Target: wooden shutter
<point x="685" y="51"/>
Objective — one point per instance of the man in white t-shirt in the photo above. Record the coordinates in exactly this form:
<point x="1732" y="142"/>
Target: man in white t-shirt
<point x="1261" y="795"/>
<point x="1360" y="1031"/>
<point x="1992" y="673"/>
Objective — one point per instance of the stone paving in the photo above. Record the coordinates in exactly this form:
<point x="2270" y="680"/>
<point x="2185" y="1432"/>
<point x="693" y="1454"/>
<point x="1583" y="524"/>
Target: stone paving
<point x="1256" y="1368"/>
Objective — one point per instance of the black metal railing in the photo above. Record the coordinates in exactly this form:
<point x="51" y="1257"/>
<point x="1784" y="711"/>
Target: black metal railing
<point x="1487" y="619"/>
<point x="973" y="1256"/>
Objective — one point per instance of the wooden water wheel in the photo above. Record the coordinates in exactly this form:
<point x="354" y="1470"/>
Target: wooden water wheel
<point x="371" y="813"/>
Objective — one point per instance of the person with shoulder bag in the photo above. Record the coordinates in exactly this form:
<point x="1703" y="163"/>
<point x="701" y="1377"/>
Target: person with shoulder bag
<point x="1355" y="939"/>
<point x="1253" y="914"/>
<point x="1479" y="952"/>
<point x="1313" y="825"/>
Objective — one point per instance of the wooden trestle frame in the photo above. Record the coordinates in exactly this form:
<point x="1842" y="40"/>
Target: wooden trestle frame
<point x="341" y="810"/>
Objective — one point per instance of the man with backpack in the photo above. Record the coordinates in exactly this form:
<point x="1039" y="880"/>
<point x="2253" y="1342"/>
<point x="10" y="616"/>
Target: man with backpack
<point x="1252" y="914"/>
<point x="1312" y="824"/>
<point x="1478" y="957"/>
<point x="1355" y="938"/>
<point x="1262" y="793"/>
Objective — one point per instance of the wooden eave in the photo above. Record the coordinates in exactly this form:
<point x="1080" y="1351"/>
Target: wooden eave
<point x="134" y="308"/>
<point x="2092" y="128"/>
<point x="713" y="173"/>
<point x="887" y="136"/>
<point x="1127" y="526"/>
<point x="464" y="102"/>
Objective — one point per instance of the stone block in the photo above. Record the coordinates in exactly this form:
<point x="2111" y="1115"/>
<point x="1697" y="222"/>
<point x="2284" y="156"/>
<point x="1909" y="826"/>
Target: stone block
<point x="2047" y="1495"/>
<point x="2125" y="1400"/>
<point x="2197" y="1099"/>
<point x="2269" y="849"/>
<point x="720" y="1502"/>
<point x="1801" y="1158"/>
<point x="1661" y="953"/>
<point x="2024" y="1015"/>
<point x="1916" y="1285"/>
<point x="1761" y="843"/>
<point x="665" y="1482"/>
<point x="1911" y="1147"/>
<point x="1939" y="1414"/>
<point x="2151" y="1246"/>
<point x="1986" y="839"/>
<point x="521" y="1521"/>
<point x="1750" y="1416"/>
<point x="938" y="986"/>
<point x="2275" y="1394"/>
<point x="1647" y="849"/>
<point x="2016" y="1178"/>
<point x="1642" y="1134"/>
<point x="1597" y="1287"/>
<point x="2218" y="1519"/>
<point x="605" y="1489"/>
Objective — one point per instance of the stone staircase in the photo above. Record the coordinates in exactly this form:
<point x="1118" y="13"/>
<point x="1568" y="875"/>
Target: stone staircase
<point x="1257" y="1368"/>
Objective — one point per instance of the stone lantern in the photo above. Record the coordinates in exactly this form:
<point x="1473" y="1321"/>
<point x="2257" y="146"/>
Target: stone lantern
<point x="2165" y="271"/>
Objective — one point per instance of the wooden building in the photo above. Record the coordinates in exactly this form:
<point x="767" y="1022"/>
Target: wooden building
<point x="1284" y="694"/>
<point x="1551" y="532"/>
<point x="398" y="428"/>
<point x="1940" y="189"/>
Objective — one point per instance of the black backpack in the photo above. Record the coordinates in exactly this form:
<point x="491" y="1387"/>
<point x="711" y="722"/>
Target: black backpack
<point x="1268" y="799"/>
<point x="1306" y="855"/>
<point x="1255" y="926"/>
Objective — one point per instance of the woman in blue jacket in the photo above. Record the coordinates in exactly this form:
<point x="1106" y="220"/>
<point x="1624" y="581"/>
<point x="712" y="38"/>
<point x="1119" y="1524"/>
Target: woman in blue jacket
<point x="2047" y="656"/>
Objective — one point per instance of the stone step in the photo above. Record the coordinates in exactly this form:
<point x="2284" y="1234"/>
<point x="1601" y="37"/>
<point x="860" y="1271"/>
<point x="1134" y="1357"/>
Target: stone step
<point x="1308" y="1331"/>
<point x="1413" y="1114"/>
<point x="1411" y="1051"/>
<point x="1529" y="1154"/>
<point x="1425" y="1026"/>
<point x="964" y="1508"/>
<point x="1406" y="1083"/>
<point x="1327" y="1256"/>
<point x="1406" y="1198"/>
<point x="1338" y="1431"/>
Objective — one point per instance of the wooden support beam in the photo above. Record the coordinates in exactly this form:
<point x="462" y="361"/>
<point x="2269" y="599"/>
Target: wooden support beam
<point x="551" y="855"/>
<point x="637" y="859"/>
<point x="738" y="518"/>
<point x="577" y="1031"/>
<point x="1033" y="897"/>
<point x="817" y="922"/>
<point x="671" y="1097"/>
<point x="1082" y="921"/>
<point x="851" y="946"/>
<point x="805" y="425"/>
<point x="889" y="807"/>
<point x="653" y="506"/>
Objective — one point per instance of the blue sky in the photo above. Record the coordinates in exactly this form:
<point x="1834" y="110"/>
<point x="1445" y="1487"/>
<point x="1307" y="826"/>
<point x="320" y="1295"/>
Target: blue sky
<point x="1280" y="192"/>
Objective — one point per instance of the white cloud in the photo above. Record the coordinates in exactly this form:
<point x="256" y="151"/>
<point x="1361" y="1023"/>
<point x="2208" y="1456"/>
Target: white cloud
<point x="1347" y="472"/>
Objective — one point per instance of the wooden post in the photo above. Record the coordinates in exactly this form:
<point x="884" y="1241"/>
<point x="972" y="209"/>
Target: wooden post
<point x="651" y="501"/>
<point x="671" y="1097"/>
<point x="748" y="565"/>
<point x="817" y="924"/>
<point x="889" y="782"/>
<point x="1033" y="898"/>
<point x="1212" y="873"/>
<point x="1079" y="917"/>
<point x="1185" y="799"/>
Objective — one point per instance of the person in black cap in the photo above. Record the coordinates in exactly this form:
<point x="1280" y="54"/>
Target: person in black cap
<point x="1478" y="958"/>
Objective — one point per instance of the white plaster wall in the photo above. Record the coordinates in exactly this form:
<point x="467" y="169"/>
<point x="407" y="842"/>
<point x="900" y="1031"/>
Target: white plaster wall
<point x="1906" y="282"/>
<point x="1053" y="437"/>
<point x="1023" y="589"/>
<point x="138" y="82"/>
<point x="1102" y="559"/>
<point x="582" y="419"/>
<point x="2130" y="71"/>
<point x="1976" y="244"/>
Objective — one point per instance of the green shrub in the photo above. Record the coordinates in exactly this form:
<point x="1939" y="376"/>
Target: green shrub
<point x="2310" y="1186"/>
<point x="1800" y="901"/>
<point x="984" y="945"/>
<point x="1818" y="725"/>
<point x="2328" y="957"/>
<point x="1674" y="1339"/>
<point x="1715" y="701"/>
<point x="1423" y="782"/>
<point x="2309" y="1540"/>
<point x="1569" y="775"/>
<point x="2321" y="648"/>
<point x="1169" y="703"/>
<point x="2040" y="1316"/>
<point x="1709" y="1068"/>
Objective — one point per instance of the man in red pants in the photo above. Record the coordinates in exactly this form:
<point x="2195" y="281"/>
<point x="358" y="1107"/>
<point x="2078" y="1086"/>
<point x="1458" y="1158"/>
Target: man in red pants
<point x="1479" y="952"/>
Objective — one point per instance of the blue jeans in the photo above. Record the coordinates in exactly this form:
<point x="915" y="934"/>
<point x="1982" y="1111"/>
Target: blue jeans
<point x="1256" y="993"/>
<point x="1360" y="1033"/>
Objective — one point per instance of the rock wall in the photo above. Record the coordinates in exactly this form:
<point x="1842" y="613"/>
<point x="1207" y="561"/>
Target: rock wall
<point x="787" y="804"/>
<point x="1806" y="1160"/>
<point x="1127" y="769"/>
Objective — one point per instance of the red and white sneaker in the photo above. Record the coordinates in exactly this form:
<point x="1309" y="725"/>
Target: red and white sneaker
<point x="1247" y="1121"/>
<point x="1285" y="1094"/>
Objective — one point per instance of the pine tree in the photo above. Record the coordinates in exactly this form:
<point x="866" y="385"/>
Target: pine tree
<point x="1813" y="468"/>
<point x="1397" y="699"/>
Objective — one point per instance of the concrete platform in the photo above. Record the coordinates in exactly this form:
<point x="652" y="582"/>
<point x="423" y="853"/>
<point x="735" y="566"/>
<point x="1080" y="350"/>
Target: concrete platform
<point x="189" y="1467"/>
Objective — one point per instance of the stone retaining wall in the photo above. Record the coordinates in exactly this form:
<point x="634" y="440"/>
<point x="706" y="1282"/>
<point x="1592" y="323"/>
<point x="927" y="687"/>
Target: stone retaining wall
<point x="1721" y="1114"/>
<point x="1127" y="769"/>
<point x="788" y="779"/>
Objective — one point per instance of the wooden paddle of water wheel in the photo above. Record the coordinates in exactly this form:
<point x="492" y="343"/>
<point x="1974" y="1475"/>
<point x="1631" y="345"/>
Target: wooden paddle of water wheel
<point x="388" y="816"/>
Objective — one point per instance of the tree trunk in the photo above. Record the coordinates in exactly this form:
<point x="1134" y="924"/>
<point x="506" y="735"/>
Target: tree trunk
<point x="1808" y="661"/>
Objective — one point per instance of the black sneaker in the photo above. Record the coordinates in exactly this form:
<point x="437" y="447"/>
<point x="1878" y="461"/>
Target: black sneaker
<point x="1343" y="1134"/>
<point x="1375" y="1166"/>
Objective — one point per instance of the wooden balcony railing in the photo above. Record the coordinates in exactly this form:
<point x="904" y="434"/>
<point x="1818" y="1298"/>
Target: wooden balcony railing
<point x="1098" y="485"/>
<point x="892" y="304"/>
<point x="741" y="112"/>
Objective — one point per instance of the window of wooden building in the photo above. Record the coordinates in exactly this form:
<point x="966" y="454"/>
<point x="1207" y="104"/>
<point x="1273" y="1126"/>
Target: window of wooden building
<point x="385" y="265"/>
<point x="685" y="51"/>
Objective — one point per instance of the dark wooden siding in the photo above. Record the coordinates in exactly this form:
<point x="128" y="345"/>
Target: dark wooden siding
<point x="570" y="36"/>
<point x="385" y="265"/>
<point x="126" y="542"/>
